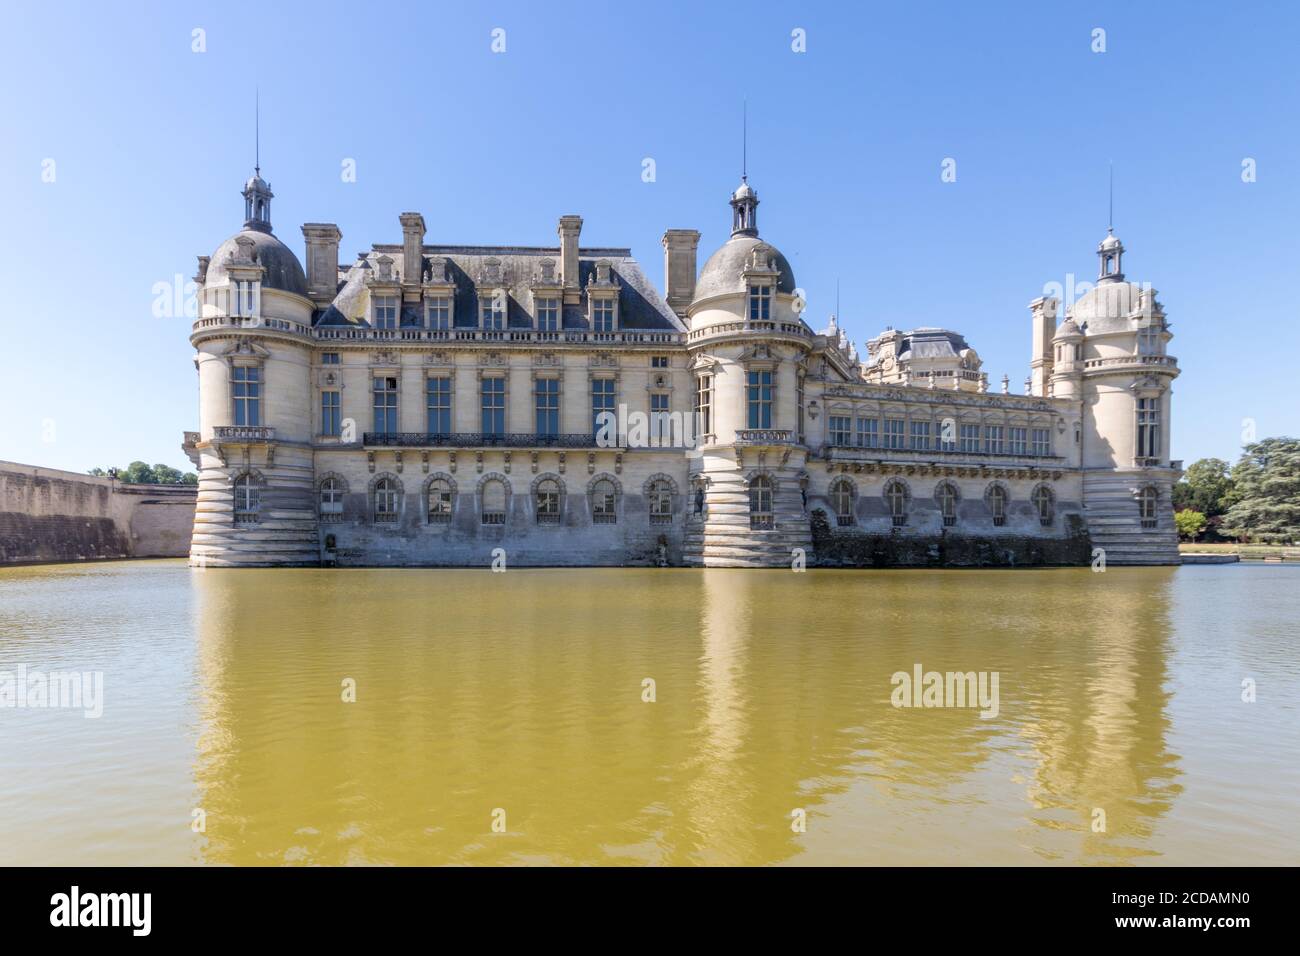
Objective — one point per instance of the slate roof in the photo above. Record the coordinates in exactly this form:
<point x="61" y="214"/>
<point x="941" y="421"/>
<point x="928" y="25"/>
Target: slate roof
<point x="640" y="304"/>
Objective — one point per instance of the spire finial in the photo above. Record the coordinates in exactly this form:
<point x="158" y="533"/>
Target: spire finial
<point x="257" y="130"/>
<point x="744" y="141"/>
<point x="1110" y="208"/>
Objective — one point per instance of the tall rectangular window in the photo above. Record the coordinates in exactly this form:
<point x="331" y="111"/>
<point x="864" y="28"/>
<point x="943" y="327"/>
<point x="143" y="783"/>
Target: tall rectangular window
<point x="893" y="433"/>
<point x="920" y="436"/>
<point x="841" y="430"/>
<point x="329" y="358"/>
<point x="602" y="400"/>
<point x="437" y="312"/>
<point x="1018" y="440"/>
<point x="993" y="439"/>
<point x="492" y="312"/>
<point x="760" y="302"/>
<point x="438" y="405"/>
<point x="385" y="311"/>
<point x="492" y="400"/>
<point x="548" y="314"/>
<point x="1042" y="442"/>
<point x="385" y="405"/>
<point x="970" y="438"/>
<point x="759" y="389"/>
<point x="1148" y="428"/>
<point x="546" y="396"/>
<point x="947" y="438"/>
<point x="329" y="412"/>
<point x="602" y="315"/>
<point x="661" y="426"/>
<point x="703" y="406"/>
<point x="248" y="394"/>
<point x="659" y="361"/>
<point x="868" y="432"/>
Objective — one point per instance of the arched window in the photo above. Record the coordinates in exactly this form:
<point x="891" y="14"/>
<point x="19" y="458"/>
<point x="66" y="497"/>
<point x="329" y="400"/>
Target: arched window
<point x="997" y="499"/>
<point x="494" y="502"/>
<point x="946" y="496"/>
<point x="548" y="501"/>
<point x="660" y="493"/>
<point x="842" y="502"/>
<point x="1147" y="499"/>
<point x="604" y="502"/>
<point x="1044" y="505"/>
<point x="439" y="501"/>
<point x="331" y="499"/>
<point x="386" y="500"/>
<point x="760" y="504"/>
<point x="896" y="501"/>
<point x="248" y="498"/>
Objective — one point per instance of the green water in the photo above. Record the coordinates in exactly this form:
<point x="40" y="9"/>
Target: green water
<point x="517" y="698"/>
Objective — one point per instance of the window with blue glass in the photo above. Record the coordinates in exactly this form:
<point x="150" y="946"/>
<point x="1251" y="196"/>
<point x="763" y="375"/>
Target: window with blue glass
<point x="759" y="389"/>
<point x="385" y="404"/>
<point x="492" y="397"/>
<point x="248" y="394"/>
<point x="602" y="400"/>
<point x="547" y="401"/>
<point x="438" y="405"/>
<point x="329" y="412"/>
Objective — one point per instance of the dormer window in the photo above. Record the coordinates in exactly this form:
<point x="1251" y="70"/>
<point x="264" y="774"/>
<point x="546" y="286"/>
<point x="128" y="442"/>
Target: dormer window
<point x="492" y="310"/>
<point x="384" y="314"/>
<point x="548" y="314"/>
<point x="760" y="302"/>
<point x="437" y="312"/>
<point x="602" y="315"/>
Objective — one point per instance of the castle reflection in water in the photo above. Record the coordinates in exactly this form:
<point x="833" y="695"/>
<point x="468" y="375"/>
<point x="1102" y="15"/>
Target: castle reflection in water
<point x="523" y="691"/>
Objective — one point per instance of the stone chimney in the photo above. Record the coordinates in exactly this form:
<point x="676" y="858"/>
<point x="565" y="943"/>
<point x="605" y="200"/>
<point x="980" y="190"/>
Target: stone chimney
<point x="412" y="248"/>
<point x="680" y="246"/>
<point x="322" y="259"/>
<point x="570" y="228"/>
<point x="1043" y="313"/>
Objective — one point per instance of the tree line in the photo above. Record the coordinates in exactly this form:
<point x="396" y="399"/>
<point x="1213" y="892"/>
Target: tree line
<point x="139" y="473"/>
<point x="1257" y="500"/>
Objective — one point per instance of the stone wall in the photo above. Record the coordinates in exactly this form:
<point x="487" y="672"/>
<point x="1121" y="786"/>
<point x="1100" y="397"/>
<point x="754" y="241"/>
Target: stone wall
<point x="47" y="515"/>
<point x="851" y="548"/>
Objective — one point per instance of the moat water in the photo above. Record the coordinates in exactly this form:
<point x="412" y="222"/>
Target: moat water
<point x="517" y="699"/>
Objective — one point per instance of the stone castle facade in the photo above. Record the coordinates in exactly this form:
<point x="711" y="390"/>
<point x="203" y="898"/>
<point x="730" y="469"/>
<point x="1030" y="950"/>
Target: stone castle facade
<point x="443" y="405"/>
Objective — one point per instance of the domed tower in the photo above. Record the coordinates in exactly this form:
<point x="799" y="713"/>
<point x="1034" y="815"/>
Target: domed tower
<point x="1111" y="354"/>
<point x="253" y="347"/>
<point x="748" y="348"/>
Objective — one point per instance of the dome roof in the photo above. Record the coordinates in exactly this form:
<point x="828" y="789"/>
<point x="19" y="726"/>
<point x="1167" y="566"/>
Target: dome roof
<point x="283" y="270"/>
<point x="723" y="274"/>
<point x="1110" y="242"/>
<point x="744" y="191"/>
<point x="1106" y="307"/>
<point x="1067" y="329"/>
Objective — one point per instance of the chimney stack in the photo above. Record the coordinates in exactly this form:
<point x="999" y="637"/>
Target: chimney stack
<point x="570" y="228"/>
<point x="322" y="259"/>
<point x="412" y="248"/>
<point x="1043" y="312"/>
<point x="680" y="246"/>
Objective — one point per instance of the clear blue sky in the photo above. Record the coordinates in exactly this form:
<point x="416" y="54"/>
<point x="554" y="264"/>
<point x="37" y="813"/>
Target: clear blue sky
<point x="152" y="142"/>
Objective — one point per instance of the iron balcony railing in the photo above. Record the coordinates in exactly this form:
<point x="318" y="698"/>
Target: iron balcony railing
<point x="478" y="440"/>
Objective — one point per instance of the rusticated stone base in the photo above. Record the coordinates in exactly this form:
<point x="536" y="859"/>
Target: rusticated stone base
<point x="859" y="549"/>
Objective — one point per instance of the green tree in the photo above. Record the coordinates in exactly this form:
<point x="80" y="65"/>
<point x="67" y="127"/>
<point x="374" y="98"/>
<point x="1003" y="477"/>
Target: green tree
<point x="1190" y="523"/>
<point x="1206" y="487"/>
<point x="139" y="473"/>
<point x="1266" y="505"/>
